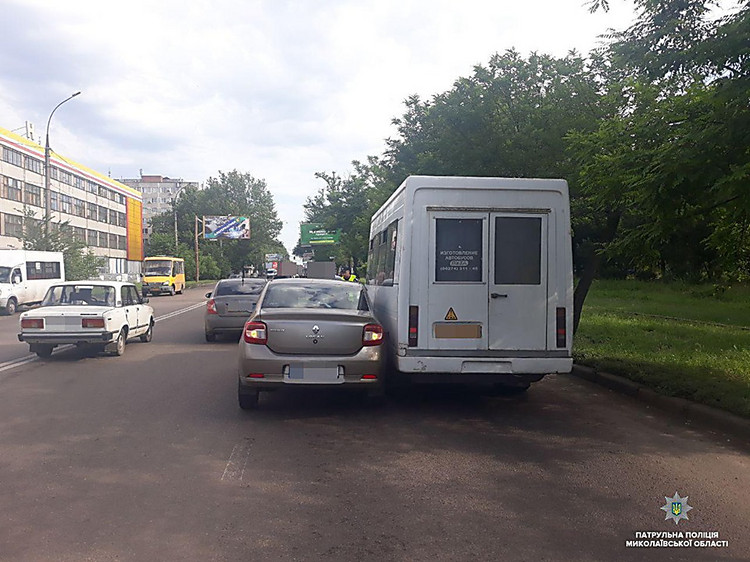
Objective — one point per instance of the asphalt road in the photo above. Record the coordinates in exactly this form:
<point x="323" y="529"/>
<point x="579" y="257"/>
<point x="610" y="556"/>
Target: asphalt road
<point x="147" y="457"/>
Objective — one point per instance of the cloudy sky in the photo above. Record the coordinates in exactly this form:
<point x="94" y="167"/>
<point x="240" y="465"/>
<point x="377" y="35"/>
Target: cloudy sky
<point x="280" y="89"/>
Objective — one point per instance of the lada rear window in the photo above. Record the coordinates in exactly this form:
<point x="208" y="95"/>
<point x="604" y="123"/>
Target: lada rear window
<point x="342" y="296"/>
<point x="80" y="295"/>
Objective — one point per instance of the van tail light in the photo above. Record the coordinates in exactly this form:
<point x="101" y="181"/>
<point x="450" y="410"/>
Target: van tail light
<point x="255" y="332"/>
<point x="211" y="307"/>
<point x="561" y="332"/>
<point x="413" y="323"/>
<point x="92" y="323"/>
<point x="32" y="323"/>
<point x="372" y="334"/>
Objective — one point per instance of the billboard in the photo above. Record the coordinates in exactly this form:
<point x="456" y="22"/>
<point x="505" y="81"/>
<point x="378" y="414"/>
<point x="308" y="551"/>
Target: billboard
<point x="226" y="227"/>
<point x="312" y="234"/>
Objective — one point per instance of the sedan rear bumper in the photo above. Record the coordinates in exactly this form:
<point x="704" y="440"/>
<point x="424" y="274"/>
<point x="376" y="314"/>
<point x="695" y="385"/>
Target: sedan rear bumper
<point x="357" y="370"/>
<point x="68" y="337"/>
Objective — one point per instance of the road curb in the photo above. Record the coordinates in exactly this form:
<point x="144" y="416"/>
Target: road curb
<point x="692" y="411"/>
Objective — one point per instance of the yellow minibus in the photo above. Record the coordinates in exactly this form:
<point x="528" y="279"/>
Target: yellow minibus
<point x="163" y="274"/>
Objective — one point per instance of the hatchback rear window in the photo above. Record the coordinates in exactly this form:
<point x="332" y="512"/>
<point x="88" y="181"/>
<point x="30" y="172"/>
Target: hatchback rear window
<point x="253" y="287"/>
<point x="342" y="296"/>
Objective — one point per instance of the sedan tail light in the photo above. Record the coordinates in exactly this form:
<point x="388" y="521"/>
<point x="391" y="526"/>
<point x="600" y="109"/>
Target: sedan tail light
<point x="32" y="323"/>
<point x="211" y="307"/>
<point x="255" y="332"/>
<point x="92" y="323"/>
<point x="372" y="334"/>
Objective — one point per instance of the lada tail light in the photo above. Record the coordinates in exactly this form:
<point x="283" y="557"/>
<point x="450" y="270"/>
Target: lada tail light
<point x="372" y="334"/>
<point x="561" y="332"/>
<point x="32" y="323"/>
<point x="211" y="307"/>
<point x="413" y="323"/>
<point x="255" y="332"/>
<point x="92" y="323"/>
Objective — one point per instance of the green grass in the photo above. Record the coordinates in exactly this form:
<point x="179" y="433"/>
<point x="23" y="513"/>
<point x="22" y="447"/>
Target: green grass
<point x="686" y="355"/>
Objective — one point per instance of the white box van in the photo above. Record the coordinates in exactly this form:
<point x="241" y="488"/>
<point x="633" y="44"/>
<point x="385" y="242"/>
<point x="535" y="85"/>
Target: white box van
<point x="25" y="276"/>
<point x="472" y="279"/>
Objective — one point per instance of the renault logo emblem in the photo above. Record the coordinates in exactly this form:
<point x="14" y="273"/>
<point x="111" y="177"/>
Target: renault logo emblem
<point x="316" y="329"/>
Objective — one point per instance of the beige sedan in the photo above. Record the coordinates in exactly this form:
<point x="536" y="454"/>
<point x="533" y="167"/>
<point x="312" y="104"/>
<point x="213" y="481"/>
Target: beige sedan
<point x="308" y="333"/>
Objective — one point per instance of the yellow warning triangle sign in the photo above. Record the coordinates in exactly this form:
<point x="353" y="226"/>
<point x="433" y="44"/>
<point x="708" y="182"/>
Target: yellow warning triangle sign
<point x="451" y="315"/>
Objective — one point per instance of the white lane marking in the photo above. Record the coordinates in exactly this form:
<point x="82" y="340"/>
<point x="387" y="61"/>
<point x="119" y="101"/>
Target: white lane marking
<point x="178" y="312"/>
<point x="237" y="462"/>
<point x="13" y="363"/>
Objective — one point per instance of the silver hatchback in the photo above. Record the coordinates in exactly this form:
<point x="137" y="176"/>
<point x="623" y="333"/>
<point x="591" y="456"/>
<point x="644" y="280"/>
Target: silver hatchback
<point x="310" y="332"/>
<point x="230" y="304"/>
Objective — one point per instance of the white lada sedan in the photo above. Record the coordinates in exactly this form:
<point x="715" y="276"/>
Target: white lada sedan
<point x="100" y="314"/>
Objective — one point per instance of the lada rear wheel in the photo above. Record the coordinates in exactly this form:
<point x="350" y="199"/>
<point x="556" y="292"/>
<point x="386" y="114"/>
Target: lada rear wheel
<point x="120" y="343"/>
<point x="44" y="351"/>
<point x="149" y="334"/>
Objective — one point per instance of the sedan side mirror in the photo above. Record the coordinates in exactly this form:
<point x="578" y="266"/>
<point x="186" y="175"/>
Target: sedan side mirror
<point x="208" y="295"/>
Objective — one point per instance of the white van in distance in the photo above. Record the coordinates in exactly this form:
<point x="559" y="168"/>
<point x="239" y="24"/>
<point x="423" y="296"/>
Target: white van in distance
<point x="25" y="276"/>
<point x="472" y="279"/>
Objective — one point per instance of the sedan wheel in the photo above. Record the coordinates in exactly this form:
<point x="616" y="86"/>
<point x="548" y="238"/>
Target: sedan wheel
<point x="248" y="399"/>
<point x="145" y="338"/>
<point x="210" y="337"/>
<point x="44" y="351"/>
<point x="120" y="344"/>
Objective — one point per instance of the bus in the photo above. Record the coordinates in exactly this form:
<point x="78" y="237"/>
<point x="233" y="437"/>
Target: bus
<point x="163" y="274"/>
<point x="472" y="280"/>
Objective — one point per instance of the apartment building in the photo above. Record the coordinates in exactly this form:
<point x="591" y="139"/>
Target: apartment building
<point x="158" y="193"/>
<point x="104" y="213"/>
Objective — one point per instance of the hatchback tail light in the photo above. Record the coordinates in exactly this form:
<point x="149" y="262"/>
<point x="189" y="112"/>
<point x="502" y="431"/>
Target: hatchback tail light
<point x="561" y="332"/>
<point x="372" y="334"/>
<point x="32" y="323"/>
<point x="92" y="323"/>
<point x="255" y="332"/>
<point x="211" y="307"/>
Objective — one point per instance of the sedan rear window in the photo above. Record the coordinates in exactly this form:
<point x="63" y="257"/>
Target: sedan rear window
<point x="253" y="287"/>
<point x="344" y="296"/>
<point x="80" y="295"/>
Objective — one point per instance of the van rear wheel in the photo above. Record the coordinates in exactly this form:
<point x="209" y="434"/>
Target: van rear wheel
<point x="10" y="307"/>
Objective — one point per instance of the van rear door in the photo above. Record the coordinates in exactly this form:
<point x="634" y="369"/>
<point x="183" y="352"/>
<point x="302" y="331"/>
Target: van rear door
<point x="518" y="281"/>
<point x="487" y="286"/>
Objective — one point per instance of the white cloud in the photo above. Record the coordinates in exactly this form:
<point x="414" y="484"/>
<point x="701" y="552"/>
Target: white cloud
<point x="279" y="89"/>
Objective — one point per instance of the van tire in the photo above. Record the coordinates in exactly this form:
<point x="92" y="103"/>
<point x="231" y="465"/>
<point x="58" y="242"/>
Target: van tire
<point x="10" y="307"/>
<point x="181" y="289"/>
<point x="171" y="291"/>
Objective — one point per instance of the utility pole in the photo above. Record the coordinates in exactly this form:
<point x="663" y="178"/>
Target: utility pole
<point x="197" y="259"/>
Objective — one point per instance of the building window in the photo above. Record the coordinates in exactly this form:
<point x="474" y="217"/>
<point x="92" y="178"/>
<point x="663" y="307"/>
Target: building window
<point x="92" y="237"/>
<point x="79" y="234"/>
<point x="78" y="181"/>
<point x="103" y="214"/>
<point x="12" y="189"/>
<point x="13" y="226"/>
<point x="53" y="172"/>
<point x="113" y="241"/>
<point x="91" y="187"/>
<point x="122" y="219"/>
<point x="66" y="204"/>
<point x="33" y="195"/>
<point x="33" y="165"/>
<point x="54" y="205"/>
<point x="92" y="211"/>
<point x="12" y="156"/>
<point x="112" y="216"/>
<point x="122" y="243"/>
<point x="65" y="177"/>
<point x="79" y="207"/>
<point x="102" y="191"/>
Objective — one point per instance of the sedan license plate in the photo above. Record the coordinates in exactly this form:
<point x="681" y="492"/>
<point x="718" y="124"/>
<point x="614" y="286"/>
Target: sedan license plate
<point x="299" y="374"/>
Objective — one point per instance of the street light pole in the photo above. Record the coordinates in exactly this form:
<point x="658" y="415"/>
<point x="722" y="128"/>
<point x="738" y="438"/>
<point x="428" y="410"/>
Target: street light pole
<point x="174" y="209"/>
<point x="48" y="198"/>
